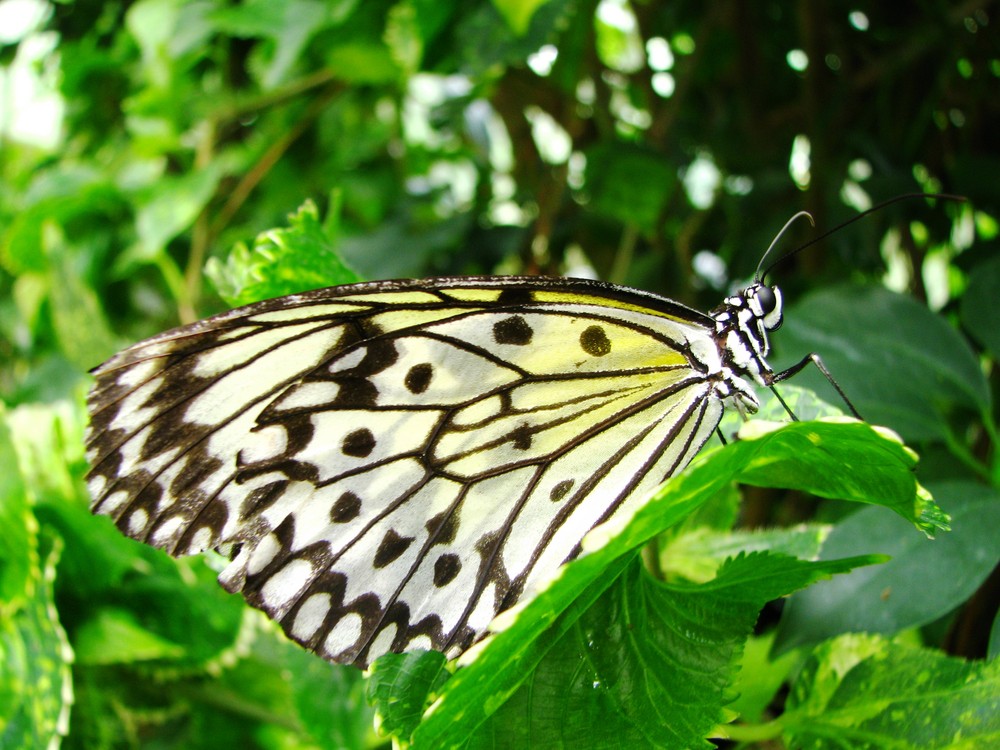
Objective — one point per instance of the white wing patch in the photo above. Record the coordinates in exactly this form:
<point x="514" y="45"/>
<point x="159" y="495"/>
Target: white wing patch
<point x="394" y="464"/>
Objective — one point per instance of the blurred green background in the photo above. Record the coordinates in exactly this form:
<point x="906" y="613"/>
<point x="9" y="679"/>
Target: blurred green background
<point x="652" y="143"/>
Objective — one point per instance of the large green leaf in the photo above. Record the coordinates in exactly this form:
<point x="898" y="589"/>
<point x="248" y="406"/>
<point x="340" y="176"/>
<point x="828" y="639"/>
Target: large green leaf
<point x="648" y="664"/>
<point x="923" y="581"/>
<point x="900" y="364"/>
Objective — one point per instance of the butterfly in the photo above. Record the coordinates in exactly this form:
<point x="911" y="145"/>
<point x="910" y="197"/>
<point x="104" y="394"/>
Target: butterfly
<point x="392" y="464"/>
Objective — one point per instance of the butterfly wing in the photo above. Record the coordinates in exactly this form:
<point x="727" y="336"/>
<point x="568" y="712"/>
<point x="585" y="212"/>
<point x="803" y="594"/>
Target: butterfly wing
<point x="398" y="462"/>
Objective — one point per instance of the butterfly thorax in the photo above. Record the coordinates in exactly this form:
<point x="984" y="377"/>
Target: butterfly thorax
<point x="742" y="324"/>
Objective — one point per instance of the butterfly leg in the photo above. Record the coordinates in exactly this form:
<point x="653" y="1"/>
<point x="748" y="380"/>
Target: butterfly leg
<point x="813" y="358"/>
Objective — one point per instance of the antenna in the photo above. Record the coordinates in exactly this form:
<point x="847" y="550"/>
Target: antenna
<point x="906" y="196"/>
<point x="777" y="237"/>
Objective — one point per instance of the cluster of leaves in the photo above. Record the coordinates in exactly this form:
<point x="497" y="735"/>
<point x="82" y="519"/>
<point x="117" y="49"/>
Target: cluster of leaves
<point x="524" y="135"/>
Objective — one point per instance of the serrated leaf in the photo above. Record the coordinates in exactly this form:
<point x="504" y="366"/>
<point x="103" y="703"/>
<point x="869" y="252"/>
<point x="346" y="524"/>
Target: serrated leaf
<point x="862" y="691"/>
<point x="401" y="687"/>
<point x="923" y="581"/>
<point x="865" y="470"/>
<point x="697" y="554"/>
<point x="908" y="375"/>
<point x="281" y="261"/>
<point x="649" y="664"/>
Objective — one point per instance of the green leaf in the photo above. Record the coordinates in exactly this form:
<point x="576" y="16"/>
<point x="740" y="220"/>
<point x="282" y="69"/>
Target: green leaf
<point x="281" y="261"/>
<point x="36" y="687"/>
<point x="807" y="456"/>
<point x="861" y="691"/>
<point x="403" y="37"/>
<point x="697" y="555"/>
<point x="181" y="602"/>
<point x="64" y="196"/>
<point x="170" y="207"/>
<point x="518" y="13"/>
<point x="484" y="39"/>
<point x="649" y="664"/>
<point x="980" y="312"/>
<point x="401" y="686"/>
<point x="909" y="374"/>
<point x="798" y="456"/>
<point x="923" y="581"/>
<point x="363" y="62"/>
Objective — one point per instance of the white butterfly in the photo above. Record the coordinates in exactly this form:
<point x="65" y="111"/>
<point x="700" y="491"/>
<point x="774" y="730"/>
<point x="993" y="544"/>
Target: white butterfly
<point x="394" y="463"/>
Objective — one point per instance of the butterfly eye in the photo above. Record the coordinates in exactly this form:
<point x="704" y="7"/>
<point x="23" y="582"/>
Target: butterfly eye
<point x="767" y="300"/>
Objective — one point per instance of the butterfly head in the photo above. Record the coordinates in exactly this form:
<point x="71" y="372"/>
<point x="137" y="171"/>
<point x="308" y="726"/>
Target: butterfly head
<point x="764" y="302"/>
<point x="742" y="326"/>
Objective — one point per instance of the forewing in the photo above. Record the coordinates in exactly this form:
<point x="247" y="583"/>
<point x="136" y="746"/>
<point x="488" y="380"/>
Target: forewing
<point x="396" y="464"/>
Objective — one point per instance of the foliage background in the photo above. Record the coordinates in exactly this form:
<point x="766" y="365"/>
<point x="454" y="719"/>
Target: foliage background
<point x="658" y="144"/>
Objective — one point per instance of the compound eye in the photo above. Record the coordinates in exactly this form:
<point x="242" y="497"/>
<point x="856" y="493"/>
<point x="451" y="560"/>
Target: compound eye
<point x="766" y="299"/>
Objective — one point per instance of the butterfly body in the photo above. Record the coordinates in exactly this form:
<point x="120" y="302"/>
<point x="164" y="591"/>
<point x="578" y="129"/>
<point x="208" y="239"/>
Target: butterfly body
<point x="394" y="463"/>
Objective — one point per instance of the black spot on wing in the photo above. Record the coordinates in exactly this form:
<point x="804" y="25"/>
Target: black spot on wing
<point x="521" y="437"/>
<point x="419" y="377"/>
<point x="516" y="297"/>
<point x="356" y="389"/>
<point x="391" y="547"/>
<point x="346" y="508"/>
<point x="513" y="330"/>
<point x="595" y="341"/>
<point x="446" y="568"/>
<point x="561" y="490"/>
<point x="359" y="443"/>
<point x="442" y="527"/>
